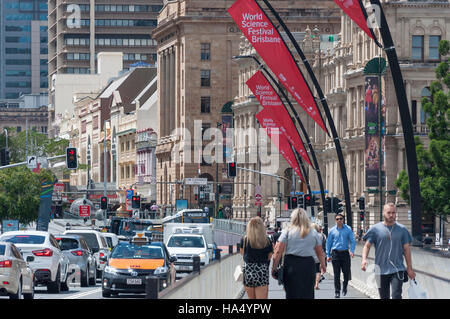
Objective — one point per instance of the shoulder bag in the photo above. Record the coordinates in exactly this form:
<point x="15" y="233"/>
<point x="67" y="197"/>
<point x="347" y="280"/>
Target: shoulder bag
<point x="280" y="268"/>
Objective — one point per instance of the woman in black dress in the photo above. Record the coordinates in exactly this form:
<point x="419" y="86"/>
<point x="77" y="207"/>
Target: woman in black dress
<point x="257" y="250"/>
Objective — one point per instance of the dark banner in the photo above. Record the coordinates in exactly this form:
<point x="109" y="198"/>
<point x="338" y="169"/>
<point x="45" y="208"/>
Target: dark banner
<point x="372" y="134"/>
<point x="45" y="206"/>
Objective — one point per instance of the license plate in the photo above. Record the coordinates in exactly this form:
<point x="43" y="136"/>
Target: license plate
<point x="134" y="281"/>
<point x="183" y="268"/>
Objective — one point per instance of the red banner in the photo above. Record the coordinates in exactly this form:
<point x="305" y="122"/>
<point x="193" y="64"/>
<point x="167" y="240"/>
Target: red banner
<point x="265" y="119"/>
<point x="354" y="10"/>
<point x="266" y="40"/>
<point x="269" y="100"/>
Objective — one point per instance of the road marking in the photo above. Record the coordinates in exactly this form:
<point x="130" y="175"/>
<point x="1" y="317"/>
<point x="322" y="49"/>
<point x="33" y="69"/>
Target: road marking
<point x="84" y="294"/>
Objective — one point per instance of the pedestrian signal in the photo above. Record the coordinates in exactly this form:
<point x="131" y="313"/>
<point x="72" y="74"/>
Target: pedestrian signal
<point x="361" y="216"/>
<point x="327" y="206"/>
<point x="307" y="200"/>
<point x="362" y="203"/>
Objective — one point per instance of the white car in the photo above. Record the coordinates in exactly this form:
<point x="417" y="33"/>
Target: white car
<point x="16" y="278"/>
<point x="50" y="265"/>
<point x="97" y="243"/>
<point x="111" y="239"/>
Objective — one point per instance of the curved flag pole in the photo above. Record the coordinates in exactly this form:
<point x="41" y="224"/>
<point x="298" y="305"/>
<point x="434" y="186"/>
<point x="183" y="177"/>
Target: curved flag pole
<point x="302" y="127"/>
<point x="408" y="133"/>
<point x="327" y="114"/>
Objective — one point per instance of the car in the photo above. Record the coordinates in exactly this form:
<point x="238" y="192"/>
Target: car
<point x="16" y="277"/>
<point x="130" y="263"/>
<point x="111" y="239"/>
<point x="97" y="244"/>
<point x="77" y="250"/>
<point x="50" y="265"/>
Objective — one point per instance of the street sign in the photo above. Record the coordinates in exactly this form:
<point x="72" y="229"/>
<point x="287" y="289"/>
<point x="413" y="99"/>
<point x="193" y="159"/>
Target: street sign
<point x="84" y="211"/>
<point x="31" y="162"/>
<point x="129" y="197"/>
<point x="10" y="225"/>
<point x="195" y="181"/>
<point x="58" y="188"/>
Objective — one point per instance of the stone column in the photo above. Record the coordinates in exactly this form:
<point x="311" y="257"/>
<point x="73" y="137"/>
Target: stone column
<point x="167" y="106"/>
<point x="172" y="112"/>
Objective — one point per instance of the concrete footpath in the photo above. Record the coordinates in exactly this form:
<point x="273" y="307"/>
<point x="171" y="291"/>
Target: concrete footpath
<point x="326" y="290"/>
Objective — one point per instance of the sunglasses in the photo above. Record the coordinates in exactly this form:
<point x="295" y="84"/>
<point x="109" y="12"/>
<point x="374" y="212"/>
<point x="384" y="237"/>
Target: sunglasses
<point x="339" y="218"/>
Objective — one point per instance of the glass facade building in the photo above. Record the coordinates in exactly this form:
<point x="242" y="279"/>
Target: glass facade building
<point x="23" y="47"/>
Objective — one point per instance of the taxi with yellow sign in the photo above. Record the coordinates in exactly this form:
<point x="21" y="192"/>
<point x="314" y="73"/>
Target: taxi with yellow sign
<point x="131" y="262"/>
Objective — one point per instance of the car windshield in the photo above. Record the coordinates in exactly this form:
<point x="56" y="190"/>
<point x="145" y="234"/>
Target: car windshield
<point x="2" y="249"/>
<point x="24" y="239"/>
<point x="91" y="240"/>
<point x="67" y="243"/>
<point x="131" y="251"/>
<point x="186" y="241"/>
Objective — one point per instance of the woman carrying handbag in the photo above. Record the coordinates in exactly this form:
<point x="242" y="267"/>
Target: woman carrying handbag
<point x="299" y="243"/>
<point x="257" y="250"/>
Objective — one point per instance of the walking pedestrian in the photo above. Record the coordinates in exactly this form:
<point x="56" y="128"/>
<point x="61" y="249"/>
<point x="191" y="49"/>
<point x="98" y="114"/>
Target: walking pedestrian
<point x="257" y="250"/>
<point x="316" y="258"/>
<point x="360" y="233"/>
<point x="392" y="241"/>
<point x="276" y="235"/>
<point x="340" y="239"/>
<point x="299" y="243"/>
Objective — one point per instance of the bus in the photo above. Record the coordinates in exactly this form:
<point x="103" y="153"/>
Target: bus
<point x="188" y="216"/>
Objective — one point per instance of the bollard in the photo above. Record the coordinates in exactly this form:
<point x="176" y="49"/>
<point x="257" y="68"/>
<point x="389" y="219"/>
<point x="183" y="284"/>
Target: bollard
<point x="196" y="264"/>
<point x="230" y="249"/>
<point x="238" y="246"/>
<point x="151" y="287"/>
<point x="217" y="254"/>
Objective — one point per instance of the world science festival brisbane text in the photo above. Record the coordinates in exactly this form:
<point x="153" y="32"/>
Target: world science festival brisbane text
<point x="259" y="30"/>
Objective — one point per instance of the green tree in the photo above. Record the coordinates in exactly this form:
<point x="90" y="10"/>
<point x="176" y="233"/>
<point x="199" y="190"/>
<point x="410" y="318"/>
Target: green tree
<point x="434" y="161"/>
<point x="20" y="191"/>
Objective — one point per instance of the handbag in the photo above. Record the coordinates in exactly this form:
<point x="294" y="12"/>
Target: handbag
<point x="280" y="268"/>
<point x="238" y="274"/>
<point x="415" y="291"/>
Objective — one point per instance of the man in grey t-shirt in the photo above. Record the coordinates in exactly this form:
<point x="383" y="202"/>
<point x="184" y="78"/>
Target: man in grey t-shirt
<point x="392" y="242"/>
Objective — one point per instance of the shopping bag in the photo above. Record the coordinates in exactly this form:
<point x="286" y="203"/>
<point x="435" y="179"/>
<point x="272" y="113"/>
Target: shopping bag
<point x="238" y="274"/>
<point x="415" y="291"/>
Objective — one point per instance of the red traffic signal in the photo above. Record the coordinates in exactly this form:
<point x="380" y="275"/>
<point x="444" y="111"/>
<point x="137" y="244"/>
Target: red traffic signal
<point x="136" y="202"/>
<point x="71" y="158"/>
<point x="104" y="203"/>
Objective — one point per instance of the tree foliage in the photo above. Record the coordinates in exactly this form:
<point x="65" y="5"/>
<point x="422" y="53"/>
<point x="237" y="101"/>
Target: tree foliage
<point x="434" y="161"/>
<point x="20" y="191"/>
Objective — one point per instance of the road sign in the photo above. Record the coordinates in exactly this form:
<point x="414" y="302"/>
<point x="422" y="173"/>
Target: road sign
<point x="31" y="162"/>
<point x="195" y="181"/>
<point x="58" y="187"/>
<point x="84" y="211"/>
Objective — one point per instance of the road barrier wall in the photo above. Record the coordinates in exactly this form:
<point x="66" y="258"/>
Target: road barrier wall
<point x="215" y="281"/>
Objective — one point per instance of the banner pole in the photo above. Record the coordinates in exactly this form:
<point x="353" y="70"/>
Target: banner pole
<point x="408" y="133"/>
<point x="327" y="114"/>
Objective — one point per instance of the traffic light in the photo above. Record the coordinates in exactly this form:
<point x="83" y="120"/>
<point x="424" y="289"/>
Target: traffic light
<point x="136" y="201"/>
<point x="362" y="203"/>
<point x="4" y="156"/>
<point x="104" y="203"/>
<point x="300" y="202"/>
<point x="327" y="206"/>
<point x="294" y="202"/>
<point x="232" y="169"/>
<point x="196" y="196"/>
<point x="361" y="216"/>
<point x="71" y="158"/>
<point x="307" y="200"/>
<point x="314" y="200"/>
<point x="339" y="206"/>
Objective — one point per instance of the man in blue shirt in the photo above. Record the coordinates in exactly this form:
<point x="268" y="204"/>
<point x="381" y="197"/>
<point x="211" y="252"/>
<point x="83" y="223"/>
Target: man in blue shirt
<point x="339" y="239"/>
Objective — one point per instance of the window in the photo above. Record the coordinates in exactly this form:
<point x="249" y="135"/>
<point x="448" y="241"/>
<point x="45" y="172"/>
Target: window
<point x="434" y="47"/>
<point x="417" y="47"/>
<point x="83" y="126"/>
<point x="205" y="76"/>
<point x="205" y="104"/>
<point x="205" y="51"/>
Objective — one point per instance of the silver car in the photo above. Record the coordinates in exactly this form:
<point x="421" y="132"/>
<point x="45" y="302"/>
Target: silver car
<point x="16" y="277"/>
<point x="77" y="251"/>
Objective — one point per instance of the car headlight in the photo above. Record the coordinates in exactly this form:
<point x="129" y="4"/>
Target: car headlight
<point x="202" y="256"/>
<point x="110" y="270"/>
<point x="161" y="270"/>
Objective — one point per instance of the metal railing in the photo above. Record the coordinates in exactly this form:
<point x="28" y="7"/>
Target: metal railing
<point x="230" y="225"/>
